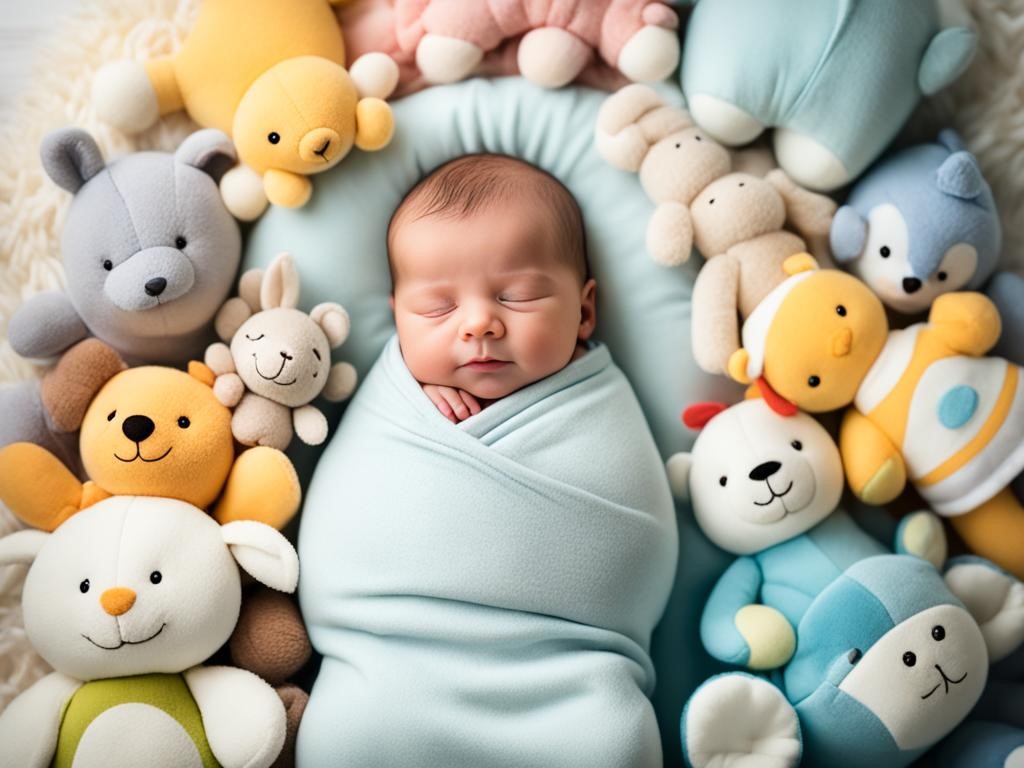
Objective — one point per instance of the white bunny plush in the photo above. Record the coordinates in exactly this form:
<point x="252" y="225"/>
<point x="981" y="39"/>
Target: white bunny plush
<point x="279" y="359"/>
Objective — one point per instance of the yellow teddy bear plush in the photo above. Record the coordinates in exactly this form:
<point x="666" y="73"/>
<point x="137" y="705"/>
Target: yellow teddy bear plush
<point x="271" y="74"/>
<point x="928" y="406"/>
<point x="148" y="431"/>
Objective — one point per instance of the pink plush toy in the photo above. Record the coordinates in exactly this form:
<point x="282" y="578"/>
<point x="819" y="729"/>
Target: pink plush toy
<point x="448" y="40"/>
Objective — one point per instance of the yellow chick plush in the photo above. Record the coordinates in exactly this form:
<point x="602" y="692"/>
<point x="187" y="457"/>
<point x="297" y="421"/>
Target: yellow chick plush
<point x="271" y="74"/>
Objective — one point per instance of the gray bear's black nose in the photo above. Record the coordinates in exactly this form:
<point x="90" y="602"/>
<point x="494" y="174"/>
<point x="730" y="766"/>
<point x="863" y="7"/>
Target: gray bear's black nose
<point x="156" y="286"/>
<point x="911" y="284"/>
<point x="764" y="471"/>
<point x="138" y="428"/>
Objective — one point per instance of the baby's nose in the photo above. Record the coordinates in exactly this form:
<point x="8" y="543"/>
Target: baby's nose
<point x="481" y="322"/>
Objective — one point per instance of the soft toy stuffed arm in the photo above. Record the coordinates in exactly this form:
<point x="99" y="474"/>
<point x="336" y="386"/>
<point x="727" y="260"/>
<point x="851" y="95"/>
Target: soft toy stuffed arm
<point x="37" y="488"/>
<point x="714" y="312"/>
<point x="809" y="213"/>
<point x="994" y="598"/>
<point x="228" y="386"/>
<point x="874" y="467"/>
<point x="45" y="325"/>
<point x="967" y="322"/>
<point x="736" y="629"/>
<point x="30" y="724"/>
<point x="262" y="486"/>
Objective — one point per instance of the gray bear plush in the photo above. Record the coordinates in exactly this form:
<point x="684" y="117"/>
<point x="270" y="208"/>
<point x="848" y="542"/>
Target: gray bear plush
<point x="150" y="254"/>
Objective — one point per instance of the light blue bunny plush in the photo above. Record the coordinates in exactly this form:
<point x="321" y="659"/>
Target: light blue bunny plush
<point x="923" y="222"/>
<point x="836" y="78"/>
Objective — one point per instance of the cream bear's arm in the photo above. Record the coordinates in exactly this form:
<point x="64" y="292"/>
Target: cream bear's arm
<point x="967" y="322"/>
<point x="670" y="234"/>
<point x="30" y="725"/>
<point x="737" y="630"/>
<point x="874" y="467"/>
<point x="341" y="382"/>
<point x="243" y="716"/>
<point x="715" y="324"/>
<point x="261" y="486"/>
<point x="809" y="214"/>
<point x="287" y="189"/>
<point x="310" y="424"/>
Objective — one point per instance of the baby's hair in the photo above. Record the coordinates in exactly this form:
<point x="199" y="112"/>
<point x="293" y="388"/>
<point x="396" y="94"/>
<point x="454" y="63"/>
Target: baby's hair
<point x="472" y="183"/>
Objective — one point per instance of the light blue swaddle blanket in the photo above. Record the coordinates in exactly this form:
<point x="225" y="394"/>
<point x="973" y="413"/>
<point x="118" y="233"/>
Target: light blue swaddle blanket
<point x="485" y="593"/>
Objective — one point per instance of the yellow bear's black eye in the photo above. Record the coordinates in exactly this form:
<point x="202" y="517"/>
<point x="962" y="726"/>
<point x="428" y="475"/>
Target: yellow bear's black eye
<point x="273" y="137"/>
<point x="183" y="422"/>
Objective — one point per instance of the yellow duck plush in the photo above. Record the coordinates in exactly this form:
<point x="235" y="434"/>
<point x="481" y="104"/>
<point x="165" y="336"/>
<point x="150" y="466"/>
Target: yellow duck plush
<point x="928" y="406"/>
<point x="270" y="74"/>
<point x="148" y="431"/>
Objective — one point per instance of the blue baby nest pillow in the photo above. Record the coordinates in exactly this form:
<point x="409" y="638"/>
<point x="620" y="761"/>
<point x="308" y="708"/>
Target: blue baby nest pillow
<point x="338" y="240"/>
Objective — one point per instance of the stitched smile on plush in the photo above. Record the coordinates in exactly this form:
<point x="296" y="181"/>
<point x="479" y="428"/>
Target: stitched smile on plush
<point x="124" y="642"/>
<point x="945" y="682"/>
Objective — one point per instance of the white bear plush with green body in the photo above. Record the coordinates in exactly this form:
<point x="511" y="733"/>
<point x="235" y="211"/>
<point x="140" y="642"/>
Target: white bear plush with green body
<point x="125" y="600"/>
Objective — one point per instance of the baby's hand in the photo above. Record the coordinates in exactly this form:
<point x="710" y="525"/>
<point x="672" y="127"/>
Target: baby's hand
<point x="455" y="404"/>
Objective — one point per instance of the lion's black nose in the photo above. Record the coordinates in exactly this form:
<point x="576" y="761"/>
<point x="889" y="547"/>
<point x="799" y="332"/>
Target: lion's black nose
<point x="911" y="284"/>
<point x="156" y="286"/>
<point x="764" y="471"/>
<point x="138" y="428"/>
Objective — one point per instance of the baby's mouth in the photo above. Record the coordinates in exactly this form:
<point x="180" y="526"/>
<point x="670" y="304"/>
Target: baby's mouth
<point x="485" y="364"/>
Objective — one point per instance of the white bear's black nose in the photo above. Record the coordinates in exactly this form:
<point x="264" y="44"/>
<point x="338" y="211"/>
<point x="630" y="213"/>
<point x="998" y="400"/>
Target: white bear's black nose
<point x="764" y="471"/>
<point x="138" y="428"/>
<point x="911" y="284"/>
<point x="156" y="286"/>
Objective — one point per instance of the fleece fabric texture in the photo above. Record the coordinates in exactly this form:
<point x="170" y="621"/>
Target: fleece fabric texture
<point x="501" y="576"/>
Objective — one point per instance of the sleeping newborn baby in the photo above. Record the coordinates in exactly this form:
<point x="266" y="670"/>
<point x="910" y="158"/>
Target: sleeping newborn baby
<point x="490" y="538"/>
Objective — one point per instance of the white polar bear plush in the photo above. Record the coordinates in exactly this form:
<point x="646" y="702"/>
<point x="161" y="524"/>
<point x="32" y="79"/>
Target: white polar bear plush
<point x="124" y="600"/>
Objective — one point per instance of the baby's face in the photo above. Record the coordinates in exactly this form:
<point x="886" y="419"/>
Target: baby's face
<point x="484" y="304"/>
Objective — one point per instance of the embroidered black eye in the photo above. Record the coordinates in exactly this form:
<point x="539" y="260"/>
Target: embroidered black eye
<point x="711" y="201"/>
<point x="699" y="138"/>
<point x="273" y="137"/>
<point x="939" y="632"/>
<point x="678" y="145"/>
<point x="84" y="586"/>
<point x="180" y="242"/>
<point x="111" y="415"/>
<point x="317" y="353"/>
<point x="813" y="381"/>
<point x="108" y="264"/>
<point x="797" y="445"/>
<point x="742" y="183"/>
<point x="942" y="277"/>
<point x="723" y="480"/>
<point x="183" y="422"/>
<point x="156" y="577"/>
<point x="909" y="659"/>
<point x="841" y="310"/>
<point x="885" y="251"/>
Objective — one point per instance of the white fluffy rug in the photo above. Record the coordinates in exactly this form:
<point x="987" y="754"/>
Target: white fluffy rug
<point x="986" y="106"/>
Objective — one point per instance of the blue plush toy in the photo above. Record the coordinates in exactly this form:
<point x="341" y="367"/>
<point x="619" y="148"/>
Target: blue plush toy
<point x="836" y="78"/>
<point x="923" y="222"/>
<point x="891" y="658"/>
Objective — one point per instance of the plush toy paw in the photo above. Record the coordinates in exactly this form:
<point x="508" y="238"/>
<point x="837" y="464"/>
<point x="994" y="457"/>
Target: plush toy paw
<point x="269" y="639"/>
<point x="341" y="382"/>
<point x="294" y="700"/>
<point x="669" y="236"/>
<point x="725" y="122"/>
<point x="310" y="424"/>
<point x="768" y="634"/>
<point x="241" y="189"/>
<point x="446" y="59"/>
<point x="994" y="598"/>
<point x="886" y="484"/>
<point x="287" y="189"/>
<point x="921" y="534"/>
<point x="124" y="97"/>
<point x="375" y="124"/>
<point x="263" y="486"/>
<point x="650" y="55"/>
<point x="228" y="389"/>
<point x="740" y="720"/>
<point x="808" y="162"/>
<point x="552" y="57"/>
<point x="374" y="74"/>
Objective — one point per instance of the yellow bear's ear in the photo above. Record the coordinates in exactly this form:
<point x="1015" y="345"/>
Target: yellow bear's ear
<point x="202" y="372"/>
<point x="375" y="124"/>
<point x="799" y="262"/>
<point x="737" y="366"/>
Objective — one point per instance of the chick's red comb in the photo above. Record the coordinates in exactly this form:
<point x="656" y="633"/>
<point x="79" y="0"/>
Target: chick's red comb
<point x="698" y="415"/>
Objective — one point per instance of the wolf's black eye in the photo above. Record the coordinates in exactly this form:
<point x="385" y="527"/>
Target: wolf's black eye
<point x="273" y="137"/>
<point x="108" y="264"/>
<point x="180" y="242"/>
<point x="885" y="251"/>
<point x="84" y="586"/>
<point x="942" y="277"/>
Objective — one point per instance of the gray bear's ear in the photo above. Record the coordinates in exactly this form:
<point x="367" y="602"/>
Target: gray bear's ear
<point x="209" y="150"/>
<point x="960" y="176"/>
<point x="848" y="234"/>
<point x="70" y="157"/>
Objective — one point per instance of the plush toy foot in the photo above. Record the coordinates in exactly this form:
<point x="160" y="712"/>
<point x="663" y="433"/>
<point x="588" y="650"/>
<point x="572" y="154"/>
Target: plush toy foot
<point x="809" y="163"/>
<point x="921" y="534"/>
<point x="650" y="55"/>
<point x="994" y="598"/>
<point x="124" y="97"/>
<point x="294" y="700"/>
<point x="374" y="74"/>
<point x="740" y="721"/>
<point x="726" y="123"/>
<point x="446" y="59"/>
<point x="241" y="188"/>
<point x="270" y="639"/>
<point x="552" y="57"/>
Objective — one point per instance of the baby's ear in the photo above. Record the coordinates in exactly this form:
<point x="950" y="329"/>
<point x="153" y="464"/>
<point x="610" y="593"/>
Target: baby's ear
<point x="333" y="321"/>
<point x="678" y="467"/>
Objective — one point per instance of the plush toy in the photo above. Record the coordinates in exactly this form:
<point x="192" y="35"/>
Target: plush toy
<point x="923" y="222"/>
<point x="554" y="40"/>
<point x="279" y="359"/>
<point x="736" y="220"/>
<point x="271" y="75"/>
<point x="767" y="487"/>
<point x="891" y="657"/>
<point x="928" y="406"/>
<point x="818" y="82"/>
<point x="124" y="601"/>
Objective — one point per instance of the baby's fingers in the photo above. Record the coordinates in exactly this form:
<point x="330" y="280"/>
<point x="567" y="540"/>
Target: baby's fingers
<point x="471" y="402"/>
<point x="434" y="393"/>
<point x="454" y="398"/>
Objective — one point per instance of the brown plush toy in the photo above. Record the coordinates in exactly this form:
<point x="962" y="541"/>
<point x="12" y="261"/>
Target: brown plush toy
<point x="736" y="220"/>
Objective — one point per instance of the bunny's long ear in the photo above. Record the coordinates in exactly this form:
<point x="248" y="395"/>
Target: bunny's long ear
<point x="630" y="121"/>
<point x="280" y="287"/>
<point x="70" y="157"/>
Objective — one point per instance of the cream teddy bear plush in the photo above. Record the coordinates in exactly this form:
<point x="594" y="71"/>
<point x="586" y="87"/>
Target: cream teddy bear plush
<point x="279" y="359"/>
<point x="736" y="220"/>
